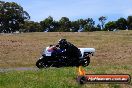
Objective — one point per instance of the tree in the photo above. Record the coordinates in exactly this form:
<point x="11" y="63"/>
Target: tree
<point x="55" y="26"/>
<point x="74" y="26"/>
<point x="110" y="26"/>
<point x="12" y="17"/>
<point x="82" y="22"/>
<point x="31" y="26"/>
<point x="47" y="24"/>
<point x="129" y="21"/>
<point x="102" y="19"/>
<point x="90" y="25"/>
<point x="121" y="23"/>
<point x="65" y="24"/>
<point x="98" y="28"/>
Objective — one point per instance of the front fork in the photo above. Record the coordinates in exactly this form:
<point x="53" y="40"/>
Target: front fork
<point x="41" y="57"/>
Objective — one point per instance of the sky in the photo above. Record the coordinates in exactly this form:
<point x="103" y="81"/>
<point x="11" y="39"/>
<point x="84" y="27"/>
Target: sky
<point x="76" y="9"/>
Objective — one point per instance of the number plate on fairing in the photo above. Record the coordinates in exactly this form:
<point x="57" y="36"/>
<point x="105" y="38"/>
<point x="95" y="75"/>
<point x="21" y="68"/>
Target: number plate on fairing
<point x="48" y="53"/>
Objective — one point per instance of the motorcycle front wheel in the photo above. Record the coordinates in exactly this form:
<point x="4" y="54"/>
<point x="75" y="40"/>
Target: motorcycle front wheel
<point x="41" y="64"/>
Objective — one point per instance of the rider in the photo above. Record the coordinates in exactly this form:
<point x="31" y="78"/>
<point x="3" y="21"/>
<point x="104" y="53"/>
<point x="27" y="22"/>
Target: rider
<point x="70" y="49"/>
<point x="63" y="44"/>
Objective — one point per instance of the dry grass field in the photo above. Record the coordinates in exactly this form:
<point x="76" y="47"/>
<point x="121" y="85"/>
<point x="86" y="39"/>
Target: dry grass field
<point x="22" y="50"/>
<point x="113" y="55"/>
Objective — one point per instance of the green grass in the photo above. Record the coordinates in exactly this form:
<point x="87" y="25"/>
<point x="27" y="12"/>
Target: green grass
<point x="57" y="78"/>
<point x="48" y="78"/>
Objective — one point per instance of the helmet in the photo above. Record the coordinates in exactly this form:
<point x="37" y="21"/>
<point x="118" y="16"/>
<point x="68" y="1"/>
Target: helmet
<point x="62" y="41"/>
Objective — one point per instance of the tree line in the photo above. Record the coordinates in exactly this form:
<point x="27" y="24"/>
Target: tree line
<point x="13" y="18"/>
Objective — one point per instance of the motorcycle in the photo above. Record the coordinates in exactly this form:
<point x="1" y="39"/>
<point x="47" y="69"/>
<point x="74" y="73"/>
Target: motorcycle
<point x="64" y="57"/>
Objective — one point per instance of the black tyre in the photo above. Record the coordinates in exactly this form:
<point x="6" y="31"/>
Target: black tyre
<point x="41" y="64"/>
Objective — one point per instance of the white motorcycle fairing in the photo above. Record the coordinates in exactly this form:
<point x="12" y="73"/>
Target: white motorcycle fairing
<point x="90" y="51"/>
